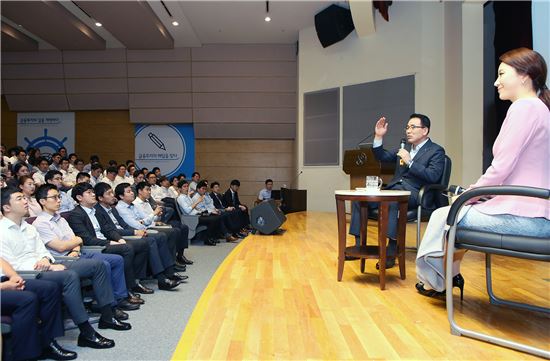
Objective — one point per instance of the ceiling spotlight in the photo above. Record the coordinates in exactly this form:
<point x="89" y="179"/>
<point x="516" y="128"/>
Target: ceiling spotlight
<point x="98" y="24"/>
<point x="267" y="17"/>
<point x="175" y="23"/>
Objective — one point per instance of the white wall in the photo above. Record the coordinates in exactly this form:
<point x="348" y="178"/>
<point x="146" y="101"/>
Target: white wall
<point x="424" y="39"/>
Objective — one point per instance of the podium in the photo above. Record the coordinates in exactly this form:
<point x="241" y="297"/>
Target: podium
<point x="293" y="200"/>
<point x="359" y="163"/>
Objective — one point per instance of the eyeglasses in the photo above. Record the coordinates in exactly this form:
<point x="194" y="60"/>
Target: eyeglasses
<point x="413" y="127"/>
<point x="55" y="198"/>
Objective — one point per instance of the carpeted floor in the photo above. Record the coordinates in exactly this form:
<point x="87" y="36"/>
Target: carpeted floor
<point x="158" y="325"/>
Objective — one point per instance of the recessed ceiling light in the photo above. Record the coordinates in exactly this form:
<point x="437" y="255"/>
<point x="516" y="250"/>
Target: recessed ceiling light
<point x="98" y="24"/>
<point x="175" y="23"/>
<point x="267" y="18"/>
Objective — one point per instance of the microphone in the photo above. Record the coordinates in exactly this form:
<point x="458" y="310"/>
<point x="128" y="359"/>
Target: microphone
<point x="293" y="179"/>
<point x="364" y="139"/>
<point x="402" y="146"/>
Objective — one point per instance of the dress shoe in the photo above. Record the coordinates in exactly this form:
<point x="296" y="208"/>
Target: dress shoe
<point x="183" y="260"/>
<point x="139" y="288"/>
<point x="56" y="352"/>
<point x="95" y="341"/>
<point x="242" y="234"/>
<point x="180" y="267"/>
<point x="390" y="262"/>
<point x="126" y="305"/>
<point x="135" y="300"/>
<point x="168" y="284"/>
<point x="132" y="294"/>
<point x="230" y="238"/>
<point x="114" y="324"/>
<point x="178" y="277"/>
<point x="209" y="242"/>
<point x="458" y="281"/>
<point x="120" y="315"/>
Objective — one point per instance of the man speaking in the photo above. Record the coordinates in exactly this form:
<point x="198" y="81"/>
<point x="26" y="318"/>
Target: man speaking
<point x="419" y="163"/>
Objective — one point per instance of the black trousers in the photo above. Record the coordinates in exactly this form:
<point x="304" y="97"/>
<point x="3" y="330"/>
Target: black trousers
<point x="178" y="237"/>
<point x="160" y="256"/>
<point x="135" y="256"/>
<point x="214" y="226"/>
<point x="41" y="300"/>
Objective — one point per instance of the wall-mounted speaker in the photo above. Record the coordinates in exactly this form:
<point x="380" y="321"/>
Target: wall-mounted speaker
<point x="333" y="24"/>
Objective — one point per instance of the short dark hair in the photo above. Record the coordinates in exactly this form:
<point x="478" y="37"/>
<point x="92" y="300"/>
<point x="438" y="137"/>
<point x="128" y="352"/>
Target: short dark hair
<point x="137" y="173"/>
<point x="64" y="159"/>
<point x="42" y="192"/>
<point x="268" y="180"/>
<point x="55" y="155"/>
<point x="155" y="169"/>
<point x="162" y="179"/>
<point x="101" y="188"/>
<point x="111" y="170"/>
<point x="195" y="173"/>
<point x="424" y="120"/>
<point x="129" y="161"/>
<point x="73" y="155"/>
<point x="119" y="189"/>
<point x="6" y="196"/>
<point x="151" y="173"/>
<point x="120" y="166"/>
<point x="97" y="166"/>
<point x="82" y="175"/>
<point x="94" y="159"/>
<point x="17" y="167"/>
<point x="78" y="160"/>
<point x="113" y="162"/>
<point x="235" y="182"/>
<point x="50" y="174"/>
<point x="21" y="150"/>
<point x="182" y="182"/>
<point x="201" y="184"/>
<point x="61" y="148"/>
<point x="214" y="184"/>
<point x="79" y="190"/>
<point x="141" y="185"/>
<point x="21" y="180"/>
<point x="42" y="159"/>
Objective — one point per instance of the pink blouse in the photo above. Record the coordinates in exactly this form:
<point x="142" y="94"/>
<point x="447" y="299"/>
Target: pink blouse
<point x="521" y="157"/>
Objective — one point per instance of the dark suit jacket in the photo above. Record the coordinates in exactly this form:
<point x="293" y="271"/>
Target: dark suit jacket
<point x="104" y="219"/>
<point x="228" y="199"/>
<point x="83" y="227"/>
<point x="219" y="202"/>
<point x="427" y="168"/>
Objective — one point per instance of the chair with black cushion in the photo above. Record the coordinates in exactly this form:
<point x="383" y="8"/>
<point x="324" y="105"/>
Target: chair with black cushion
<point x="430" y="198"/>
<point x="531" y="248"/>
<point x="191" y="221"/>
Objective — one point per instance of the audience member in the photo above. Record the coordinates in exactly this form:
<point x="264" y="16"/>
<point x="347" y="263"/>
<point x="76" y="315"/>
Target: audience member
<point x="43" y="166"/>
<point x="265" y="194"/>
<point x="27" y="187"/>
<point x="54" y="177"/>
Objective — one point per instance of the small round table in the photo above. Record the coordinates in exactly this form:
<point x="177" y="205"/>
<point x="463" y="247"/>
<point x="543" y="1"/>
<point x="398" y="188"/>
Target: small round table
<point x="384" y="197"/>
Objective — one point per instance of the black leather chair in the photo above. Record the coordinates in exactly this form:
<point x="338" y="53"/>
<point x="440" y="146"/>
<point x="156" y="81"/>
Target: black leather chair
<point x="430" y="198"/>
<point x="532" y="248"/>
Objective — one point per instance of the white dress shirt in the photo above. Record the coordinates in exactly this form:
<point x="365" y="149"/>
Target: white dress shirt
<point x="145" y="212"/>
<point x="130" y="215"/>
<point x="158" y="192"/>
<point x="21" y="245"/>
<point x="52" y="228"/>
<point x="186" y="205"/>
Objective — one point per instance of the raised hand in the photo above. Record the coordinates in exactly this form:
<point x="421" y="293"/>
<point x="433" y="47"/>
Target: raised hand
<point x="381" y="128"/>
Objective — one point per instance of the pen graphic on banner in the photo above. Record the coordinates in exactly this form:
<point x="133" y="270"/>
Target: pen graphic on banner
<point x="156" y="141"/>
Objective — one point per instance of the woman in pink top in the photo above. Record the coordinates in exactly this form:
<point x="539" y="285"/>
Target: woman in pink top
<point x="27" y="186"/>
<point x="521" y="157"/>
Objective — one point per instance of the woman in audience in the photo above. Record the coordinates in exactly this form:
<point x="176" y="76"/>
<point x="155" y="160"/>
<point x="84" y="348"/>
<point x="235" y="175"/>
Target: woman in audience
<point x="27" y="186"/>
<point x="521" y="152"/>
<point x="173" y="189"/>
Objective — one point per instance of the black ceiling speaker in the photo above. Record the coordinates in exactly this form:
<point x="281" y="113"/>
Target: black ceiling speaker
<point x="333" y="24"/>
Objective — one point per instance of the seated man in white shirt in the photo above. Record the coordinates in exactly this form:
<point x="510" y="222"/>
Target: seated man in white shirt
<point x="54" y="177"/>
<point x="157" y="196"/>
<point x="195" y="178"/>
<point x="110" y="177"/>
<point x="151" y="218"/>
<point x="208" y="214"/>
<point x="56" y="159"/>
<point x="74" y="169"/>
<point x="121" y="175"/>
<point x="265" y="194"/>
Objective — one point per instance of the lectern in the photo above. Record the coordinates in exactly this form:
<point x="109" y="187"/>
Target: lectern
<point x="359" y="163"/>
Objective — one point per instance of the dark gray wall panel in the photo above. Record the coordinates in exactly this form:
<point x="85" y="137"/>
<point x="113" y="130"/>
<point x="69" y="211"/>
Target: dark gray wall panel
<point x="147" y="70"/>
<point x="166" y="100"/>
<point x="245" y="115"/>
<point x="178" y="54"/>
<point x="33" y="57"/>
<point x="237" y="100"/>
<point x="252" y="52"/>
<point x="32" y="71"/>
<point x="27" y="103"/>
<point x="161" y="116"/>
<point x="111" y="85"/>
<point x="242" y="84"/>
<point x="97" y="101"/>
<point x="33" y="86"/>
<point x="159" y="85"/>
<point x="95" y="56"/>
<point x="245" y="131"/>
<point x="95" y="70"/>
<point x="258" y="69"/>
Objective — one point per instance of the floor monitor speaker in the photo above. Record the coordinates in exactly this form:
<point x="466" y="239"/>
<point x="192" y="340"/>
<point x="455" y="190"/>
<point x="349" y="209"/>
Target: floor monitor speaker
<point x="266" y="217"/>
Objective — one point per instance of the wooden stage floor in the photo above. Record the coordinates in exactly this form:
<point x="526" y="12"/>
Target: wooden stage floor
<point x="276" y="297"/>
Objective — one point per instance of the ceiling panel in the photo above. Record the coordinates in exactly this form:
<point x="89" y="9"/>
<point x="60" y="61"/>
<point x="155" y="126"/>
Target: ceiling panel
<point x="133" y="23"/>
<point x="52" y="22"/>
<point x="14" y="40"/>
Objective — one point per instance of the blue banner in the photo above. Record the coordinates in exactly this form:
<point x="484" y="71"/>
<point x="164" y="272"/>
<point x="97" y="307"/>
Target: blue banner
<point x="169" y="147"/>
